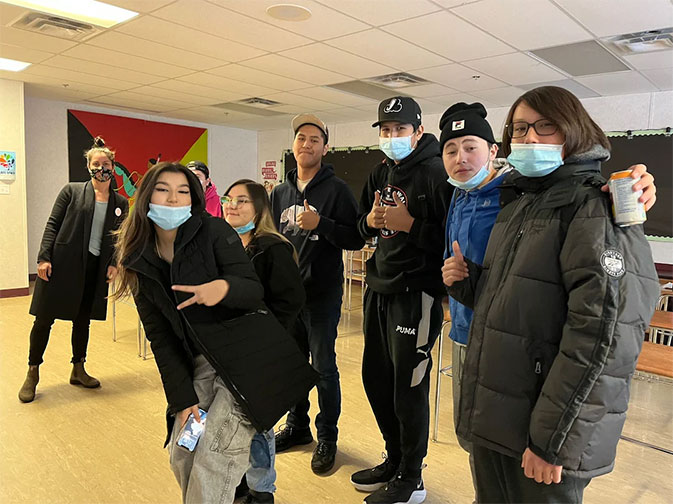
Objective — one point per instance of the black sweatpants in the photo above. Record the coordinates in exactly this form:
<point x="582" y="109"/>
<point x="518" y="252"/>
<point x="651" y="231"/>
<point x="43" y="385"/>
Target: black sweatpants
<point x="500" y="479"/>
<point x="400" y="330"/>
<point x="39" y="334"/>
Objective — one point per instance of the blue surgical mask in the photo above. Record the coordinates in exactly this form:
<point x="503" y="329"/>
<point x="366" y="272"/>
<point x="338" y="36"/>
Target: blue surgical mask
<point x="244" y="229"/>
<point x="167" y="217"/>
<point x="396" y="148"/>
<point x="472" y="182"/>
<point x="535" y="160"/>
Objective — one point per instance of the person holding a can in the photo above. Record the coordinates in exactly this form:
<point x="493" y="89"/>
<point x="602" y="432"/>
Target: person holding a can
<point x="560" y="306"/>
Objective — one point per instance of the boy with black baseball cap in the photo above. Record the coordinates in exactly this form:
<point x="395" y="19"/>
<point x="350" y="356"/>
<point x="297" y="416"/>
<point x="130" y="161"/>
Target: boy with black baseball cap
<point x="403" y="204"/>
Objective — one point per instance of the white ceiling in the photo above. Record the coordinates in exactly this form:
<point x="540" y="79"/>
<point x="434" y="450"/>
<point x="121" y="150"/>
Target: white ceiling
<point x="179" y="58"/>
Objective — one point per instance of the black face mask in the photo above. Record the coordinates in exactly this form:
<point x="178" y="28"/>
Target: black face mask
<point x="101" y="175"/>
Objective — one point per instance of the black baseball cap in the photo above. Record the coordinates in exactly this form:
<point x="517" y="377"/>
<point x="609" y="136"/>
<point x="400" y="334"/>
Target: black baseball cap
<point x="403" y="109"/>
<point x="200" y="166"/>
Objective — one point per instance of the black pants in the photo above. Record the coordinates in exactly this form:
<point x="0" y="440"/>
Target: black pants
<point x="39" y="335"/>
<point x="400" y="330"/>
<point x="501" y="479"/>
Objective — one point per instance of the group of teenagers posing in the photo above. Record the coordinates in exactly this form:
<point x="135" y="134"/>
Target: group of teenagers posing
<point x="549" y="300"/>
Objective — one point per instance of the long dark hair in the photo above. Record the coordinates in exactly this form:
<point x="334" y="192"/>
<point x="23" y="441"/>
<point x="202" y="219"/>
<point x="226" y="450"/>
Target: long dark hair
<point x="564" y="108"/>
<point x="137" y="230"/>
<point x="263" y="220"/>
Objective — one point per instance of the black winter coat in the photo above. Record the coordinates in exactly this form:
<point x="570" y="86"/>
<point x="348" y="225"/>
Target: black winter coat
<point x="65" y="243"/>
<point x="277" y="270"/>
<point x="409" y="261"/>
<point x="562" y="302"/>
<point x="260" y="364"/>
<point x="320" y="250"/>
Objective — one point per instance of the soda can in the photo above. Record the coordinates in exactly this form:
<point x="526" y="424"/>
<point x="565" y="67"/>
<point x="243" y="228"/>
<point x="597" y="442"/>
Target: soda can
<point x="626" y="208"/>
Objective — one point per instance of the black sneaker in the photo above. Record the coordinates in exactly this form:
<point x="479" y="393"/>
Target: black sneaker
<point x="399" y="491"/>
<point x="290" y="436"/>
<point x="323" y="457"/>
<point x="259" y="498"/>
<point x="372" y="479"/>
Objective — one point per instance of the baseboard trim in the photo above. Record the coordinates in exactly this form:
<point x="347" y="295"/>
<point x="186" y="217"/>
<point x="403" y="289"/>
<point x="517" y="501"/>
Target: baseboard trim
<point x="8" y="293"/>
<point x="32" y="277"/>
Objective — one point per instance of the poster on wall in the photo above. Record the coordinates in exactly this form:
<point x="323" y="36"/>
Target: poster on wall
<point x="7" y="165"/>
<point x="270" y="177"/>
<point x="138" y="145"/>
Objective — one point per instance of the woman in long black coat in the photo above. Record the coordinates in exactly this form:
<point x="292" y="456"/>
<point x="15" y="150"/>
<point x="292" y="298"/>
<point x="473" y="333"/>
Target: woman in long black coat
<point x="75" y="265"/>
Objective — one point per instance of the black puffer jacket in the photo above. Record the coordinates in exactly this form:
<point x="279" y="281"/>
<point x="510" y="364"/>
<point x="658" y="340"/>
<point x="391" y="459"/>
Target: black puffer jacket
<point x="562" y="303"/>
<point x="260" y="364"/>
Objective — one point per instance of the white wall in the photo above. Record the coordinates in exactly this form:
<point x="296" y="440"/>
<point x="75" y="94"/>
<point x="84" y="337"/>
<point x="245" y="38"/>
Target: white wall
<point x="232" y="154"/>
<point x="13" y="237"/>
<point x="612" y="113"/>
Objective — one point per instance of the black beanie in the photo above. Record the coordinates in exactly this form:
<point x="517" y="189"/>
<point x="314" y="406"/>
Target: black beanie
<point x="461" y="120"/>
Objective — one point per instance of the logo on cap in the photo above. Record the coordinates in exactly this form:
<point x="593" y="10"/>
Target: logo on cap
<point x="458" y="125"/>
<point x="395" y="105"/>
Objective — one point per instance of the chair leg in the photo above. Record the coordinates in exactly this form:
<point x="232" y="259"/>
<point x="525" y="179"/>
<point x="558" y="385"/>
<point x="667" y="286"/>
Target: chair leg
<point x="435" y="427"/>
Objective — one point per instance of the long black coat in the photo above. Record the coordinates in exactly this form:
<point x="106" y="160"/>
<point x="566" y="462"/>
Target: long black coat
<point x="260" y="364"/>
<point x="65" y="243"/>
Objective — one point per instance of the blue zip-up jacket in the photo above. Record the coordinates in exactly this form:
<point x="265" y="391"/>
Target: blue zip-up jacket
<point x="470" y="219"/>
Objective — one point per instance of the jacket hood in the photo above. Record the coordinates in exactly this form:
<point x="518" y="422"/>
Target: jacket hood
<point x="325" y="172"/>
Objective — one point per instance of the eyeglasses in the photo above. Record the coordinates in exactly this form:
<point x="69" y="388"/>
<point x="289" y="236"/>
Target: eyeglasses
<point x="239" y="200"/>
<point x="543" y="127"/>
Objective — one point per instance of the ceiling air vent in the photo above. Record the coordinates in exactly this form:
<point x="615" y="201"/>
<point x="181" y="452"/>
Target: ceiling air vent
<point x="397" y="80"/>
<point x="641" y="42"/>
<point x="258" y="102"/>
<point x="254" y="106"/>
<point x="55" y="26"/>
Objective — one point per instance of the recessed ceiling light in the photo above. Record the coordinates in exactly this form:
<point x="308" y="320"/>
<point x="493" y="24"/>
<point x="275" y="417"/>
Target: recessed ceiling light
<point x="288" y="12"/>
<point x="12" y="65"/>
<point x="89" y="11"/>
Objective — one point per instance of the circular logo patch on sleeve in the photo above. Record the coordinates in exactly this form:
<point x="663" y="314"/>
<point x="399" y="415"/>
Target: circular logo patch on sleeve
<point x="612" y="263"/>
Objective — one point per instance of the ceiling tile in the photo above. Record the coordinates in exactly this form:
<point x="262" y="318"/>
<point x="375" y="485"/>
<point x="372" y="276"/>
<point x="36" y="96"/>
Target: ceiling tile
<point x="427" y="90"/>
<point x="254" y="76"/>
<point x="23" y="54"/>
<point x="139" y="5"/>
<point x="459" y="77"/>
<point x="190" y="98"/>
<point x="334" y="96"/>
<point x="336" y="60"/>
<point x="154" y="51"/>
<point x="515" y="68"/>
<point x="542" y="25"/>
<point x="101" y="69"/>
<point x="127" y="104"/>
<point x="218" y="21"/>
<point x="71" y="77"/>
<point x="502" y="97"/>
<point x="388" y="50"/>
<point x="452" y="3"/>
<point x="378" y="13"/>
<point x="73" y="87"/>
<point x="450" y="99"/>
<point x="189" y="39"/>
<point x="54" y="93"/>
<point x="224" y="84"/>
<point x="101" y="54"/>
<point x="324" y="22"/>
<point x="219" y="95"/>
<point x="294" y="69"/>
<point x="305" y="103"/>
<point x="574" y="87"/>
<point x="581" y="58"/>
<point x="141" y="101"/>
<point x="607" y="17"/>
<point x="647" y="61"/>
<point x="662" y="77"/>
<point x="618" y="83"/>
<point x="448" y="35"/>
<point x="30" y="40"/>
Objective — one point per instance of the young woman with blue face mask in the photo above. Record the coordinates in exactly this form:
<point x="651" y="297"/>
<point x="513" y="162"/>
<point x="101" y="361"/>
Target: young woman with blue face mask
<point x="248" y="210"/>
<point x="202" y="308"/>
<point x="560" y="304"/>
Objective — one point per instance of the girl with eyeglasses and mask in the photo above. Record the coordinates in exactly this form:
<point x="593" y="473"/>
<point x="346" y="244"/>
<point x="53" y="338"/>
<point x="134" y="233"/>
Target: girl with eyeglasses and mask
<point x="248" y="211"/>
<point x="561" y="302"/>
<point x="75" y="265"/>
<point x="217" y="347"/>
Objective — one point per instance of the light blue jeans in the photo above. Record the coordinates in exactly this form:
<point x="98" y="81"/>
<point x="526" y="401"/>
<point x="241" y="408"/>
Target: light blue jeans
<point x="261" y="474"/>
<point x="212" y="471"/>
